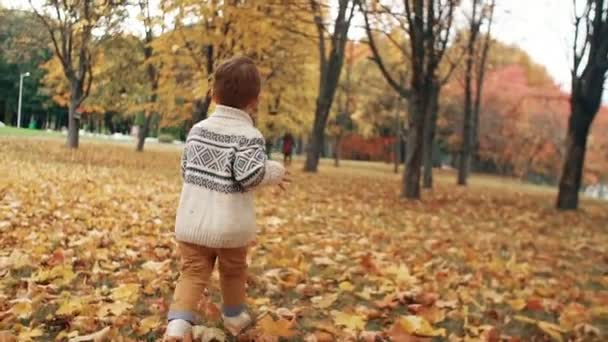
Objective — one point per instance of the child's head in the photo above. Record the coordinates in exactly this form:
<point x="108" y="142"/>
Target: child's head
<point x="237" y="83"/>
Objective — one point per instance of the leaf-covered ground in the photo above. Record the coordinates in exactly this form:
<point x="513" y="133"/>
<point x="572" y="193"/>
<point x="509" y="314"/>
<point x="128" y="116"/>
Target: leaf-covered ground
<point x="86" y="247"/>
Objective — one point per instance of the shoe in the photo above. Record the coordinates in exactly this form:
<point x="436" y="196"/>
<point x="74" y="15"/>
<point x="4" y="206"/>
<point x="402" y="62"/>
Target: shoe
<point x="235" y="325"/>
<point x="178" y="329"/>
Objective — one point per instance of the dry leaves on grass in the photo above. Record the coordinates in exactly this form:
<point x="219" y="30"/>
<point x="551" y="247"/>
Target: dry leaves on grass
<point x="86" y="247"/>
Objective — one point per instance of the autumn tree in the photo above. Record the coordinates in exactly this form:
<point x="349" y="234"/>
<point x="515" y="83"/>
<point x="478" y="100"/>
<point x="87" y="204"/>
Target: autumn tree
<point x="427" y="25"/>
<point x="151" y="71"/>
<point x="476" y="53"/>
<point x="205" y="33"/>
<point x="590" y="64"/>
<point x="72" y="27"/>
<point x="331" y="39"/>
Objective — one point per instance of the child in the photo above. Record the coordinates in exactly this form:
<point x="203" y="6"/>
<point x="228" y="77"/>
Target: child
<point x="224" y="159"/>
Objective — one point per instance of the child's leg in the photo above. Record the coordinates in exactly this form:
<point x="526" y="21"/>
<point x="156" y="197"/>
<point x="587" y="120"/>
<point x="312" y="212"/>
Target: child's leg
<point x="233" y="278"/>
<point x="195" y="270"/>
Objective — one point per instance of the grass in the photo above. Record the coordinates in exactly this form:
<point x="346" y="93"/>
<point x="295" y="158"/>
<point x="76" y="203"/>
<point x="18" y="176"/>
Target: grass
<point x="26" y="132"/>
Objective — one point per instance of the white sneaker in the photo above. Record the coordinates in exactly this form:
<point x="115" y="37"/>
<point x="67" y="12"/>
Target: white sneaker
<point x="178" y="329"/>
<point x="235" y="325"/>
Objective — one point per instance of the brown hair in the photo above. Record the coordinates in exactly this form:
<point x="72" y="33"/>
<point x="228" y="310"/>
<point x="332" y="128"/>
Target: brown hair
<point x="236" y="82"/>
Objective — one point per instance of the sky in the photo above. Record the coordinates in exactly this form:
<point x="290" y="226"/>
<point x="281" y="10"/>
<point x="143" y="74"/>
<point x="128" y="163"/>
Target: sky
<point x="543" y="28"/>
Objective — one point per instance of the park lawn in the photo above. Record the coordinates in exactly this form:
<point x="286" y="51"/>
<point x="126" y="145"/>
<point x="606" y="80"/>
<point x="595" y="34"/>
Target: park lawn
<point x="8" y="131"/>
<point x="86" y="246"/>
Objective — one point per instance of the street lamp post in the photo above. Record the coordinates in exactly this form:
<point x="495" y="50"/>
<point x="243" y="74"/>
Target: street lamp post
<point x="21" y="77"/>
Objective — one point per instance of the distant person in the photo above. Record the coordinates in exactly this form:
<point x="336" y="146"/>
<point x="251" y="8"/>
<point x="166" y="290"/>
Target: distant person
<point x="288" y="143"/>
<point x="223" y="162"/>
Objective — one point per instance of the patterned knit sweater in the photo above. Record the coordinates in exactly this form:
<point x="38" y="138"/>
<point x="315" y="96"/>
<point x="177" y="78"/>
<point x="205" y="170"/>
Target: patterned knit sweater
<point x="224" y="159"/>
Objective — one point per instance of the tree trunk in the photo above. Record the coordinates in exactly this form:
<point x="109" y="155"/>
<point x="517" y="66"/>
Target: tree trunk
<point x="317" y="137"/>
<point x="464" y="165"/>
<point x="397" y="145"/>
<point x="576" y="145"/>
<point x="142" y="134"/>
<point x="73" y="115"/>
<point x="201" y="108"/>
<point x="429" y="136"/>
<point x="415" y="144"/>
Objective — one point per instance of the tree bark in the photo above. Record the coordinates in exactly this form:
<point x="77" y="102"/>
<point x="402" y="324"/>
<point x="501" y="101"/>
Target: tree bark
<point x="73" y="115"/>
<point x="576" y="146"/>
<point x="397" y="144"/>
<point x="330" y="67"/>
<point x="142" y="134"/>
<point x="317" y="138"/>
<point x="415" y="143"/>
<point x="429" y="136"/>
<point x="201" y="108"/>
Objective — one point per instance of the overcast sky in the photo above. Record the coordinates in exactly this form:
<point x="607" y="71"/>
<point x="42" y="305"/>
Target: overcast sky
<point x="541" y="27"/>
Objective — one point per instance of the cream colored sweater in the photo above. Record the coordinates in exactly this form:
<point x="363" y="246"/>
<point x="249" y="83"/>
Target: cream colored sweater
<point x="223" y="161"/>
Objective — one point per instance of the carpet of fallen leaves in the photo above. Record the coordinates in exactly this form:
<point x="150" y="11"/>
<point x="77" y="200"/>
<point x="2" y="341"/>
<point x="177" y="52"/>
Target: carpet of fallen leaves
<point x="87" y="254"/>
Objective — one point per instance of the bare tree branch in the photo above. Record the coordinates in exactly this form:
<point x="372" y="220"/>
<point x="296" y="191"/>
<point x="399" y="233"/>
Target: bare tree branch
<point x="399" y="88"/>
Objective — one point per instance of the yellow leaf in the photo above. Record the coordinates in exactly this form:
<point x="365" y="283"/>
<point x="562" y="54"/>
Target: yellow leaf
<point x="350" y="321"/>
<point x="126" y="292"/>
<point x="402" y="275"/>
<point x="28" y="335"/>
<point x="148" y="324"/>
<point x="417" y="325"/>
<point x="60" y="275"/>
<point x="22" y="309"/>
<point x="517" y="304"/>
<point x="346" y="286"/>
<point x="525" y="319"/>
<point x="70" y="306"/>
<point x="365" y="294"/>
<point x="96" y="336"/>
<point x="552" y="330"/>
<point x="599" y="311"/>
<point x="278" y="328"/>
<point x="325" y="301"/>
<point x="116" y="309"/>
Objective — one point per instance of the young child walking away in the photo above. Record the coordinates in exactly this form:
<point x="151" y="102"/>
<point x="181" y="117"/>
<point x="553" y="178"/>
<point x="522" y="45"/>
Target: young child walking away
<point x="223" y="161"/>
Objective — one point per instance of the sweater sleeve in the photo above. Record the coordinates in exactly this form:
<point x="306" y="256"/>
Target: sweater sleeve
<point x="274" y="173"/>
<point x="184" y="161"/>
<point x="250" y="166"/>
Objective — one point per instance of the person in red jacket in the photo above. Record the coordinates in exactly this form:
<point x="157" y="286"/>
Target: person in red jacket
<point x="288" y="143"/>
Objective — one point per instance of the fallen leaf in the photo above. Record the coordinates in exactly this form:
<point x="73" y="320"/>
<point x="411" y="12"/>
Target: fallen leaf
<point x="419" y="326"/>
<point x="116" y="309"/>
<point x="398" y="334"/>
<point x="432" y="314"/>
<point x="349" y="321"/>
<point x="126" y="292"/>
<point x="572" y="315"/>
<point x="206" y="334"/>
<point x="346" y="286"/>
<point x="95" y="337"/>
<point x="325" y="301"/>
<point x="148" y="324"/>
<point x="517" y="304"/>
<point x="552" y="330"/>
<point x="278" y="328"/>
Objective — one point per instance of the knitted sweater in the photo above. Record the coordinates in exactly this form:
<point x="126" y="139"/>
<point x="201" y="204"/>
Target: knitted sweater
<point x="224" y="159"/>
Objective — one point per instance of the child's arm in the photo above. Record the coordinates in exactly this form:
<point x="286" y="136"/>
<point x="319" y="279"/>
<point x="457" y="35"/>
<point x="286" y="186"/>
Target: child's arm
<point x="184" y="160"/>
<point x="252" y="169"/>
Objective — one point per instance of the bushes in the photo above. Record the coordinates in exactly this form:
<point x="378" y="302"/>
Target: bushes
<point x="165" y="138"/>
